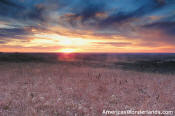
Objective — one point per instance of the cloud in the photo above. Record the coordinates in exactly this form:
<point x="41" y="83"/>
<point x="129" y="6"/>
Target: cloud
<point x="10" y="3"/>
<point x="13" y="32"/>
<point x="116" y="44"/>
<point x="167" y="27"/>
<point x="152" y="21"/>
<point x="119" y="20"/>
<point x="10" y="34"/>
<point x="30" y="14"/>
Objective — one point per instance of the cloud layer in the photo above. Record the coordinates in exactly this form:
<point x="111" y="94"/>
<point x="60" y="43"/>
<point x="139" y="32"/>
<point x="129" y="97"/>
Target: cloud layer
<point x="145" y="24"/>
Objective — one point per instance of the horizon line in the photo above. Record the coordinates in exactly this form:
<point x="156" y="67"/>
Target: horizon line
<point x="93" y="52"/>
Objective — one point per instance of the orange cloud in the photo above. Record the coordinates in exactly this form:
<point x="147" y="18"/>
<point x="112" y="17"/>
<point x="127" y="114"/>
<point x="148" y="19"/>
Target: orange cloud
<point x="101" y="15"/>
<point x="61" y="39"/>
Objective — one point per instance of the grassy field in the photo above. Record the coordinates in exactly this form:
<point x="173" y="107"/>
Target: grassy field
<point x="72" y="88"/>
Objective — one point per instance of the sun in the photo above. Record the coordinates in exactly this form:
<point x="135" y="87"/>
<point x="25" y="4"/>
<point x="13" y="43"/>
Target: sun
<point x="67" y="50"/>
<point x="66" y="42"/>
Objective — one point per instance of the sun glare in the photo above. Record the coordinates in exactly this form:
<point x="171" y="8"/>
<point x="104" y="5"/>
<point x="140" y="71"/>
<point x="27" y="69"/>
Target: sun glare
<point x="66" y="42"/>
<point x="67" y="50"/>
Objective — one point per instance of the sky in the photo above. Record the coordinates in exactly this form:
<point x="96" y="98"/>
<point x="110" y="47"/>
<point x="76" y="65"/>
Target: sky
<point x="113" y="26"/>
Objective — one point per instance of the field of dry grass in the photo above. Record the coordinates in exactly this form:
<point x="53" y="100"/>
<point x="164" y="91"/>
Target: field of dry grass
<point x="48" y="89"/>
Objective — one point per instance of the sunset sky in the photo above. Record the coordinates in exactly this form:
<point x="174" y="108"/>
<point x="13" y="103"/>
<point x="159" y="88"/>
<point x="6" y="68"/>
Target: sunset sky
<point x="87" y="26"/>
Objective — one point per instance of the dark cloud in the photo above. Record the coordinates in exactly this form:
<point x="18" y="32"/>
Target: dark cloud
<point x="19" y="11"/>
<point x="35" y="14"/>
<point x="115" y="19"/>
<point x="102" y="17"/>
<point x="83" y="11"/>
<point x="160" y="2"/>
<point x="13" y="32"/>
<point x="90" y="11"/>
<point x="167" y="27"/>
<point x="9" y="9"/>
<point x="10" y="3"/>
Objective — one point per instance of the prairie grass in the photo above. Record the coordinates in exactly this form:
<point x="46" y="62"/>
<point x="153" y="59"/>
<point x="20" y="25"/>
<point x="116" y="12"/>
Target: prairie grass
<point x="47" y="89"/>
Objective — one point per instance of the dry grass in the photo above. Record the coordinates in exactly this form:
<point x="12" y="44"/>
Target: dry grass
<point x="41" y="89"/>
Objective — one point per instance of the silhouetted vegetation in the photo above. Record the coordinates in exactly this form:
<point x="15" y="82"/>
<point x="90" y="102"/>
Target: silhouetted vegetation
<point x="19" y="57"/>
<point x="149" y="66"/>
<point x="154" y="63"/>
